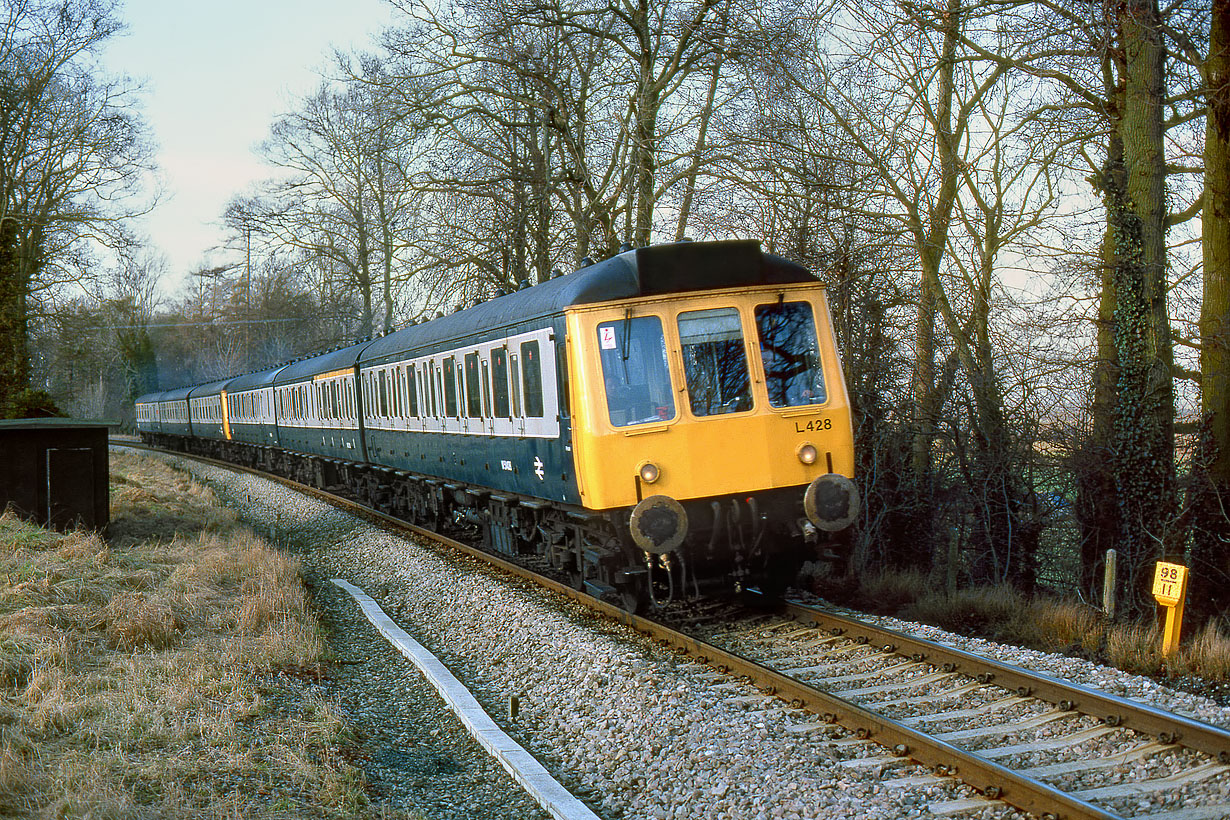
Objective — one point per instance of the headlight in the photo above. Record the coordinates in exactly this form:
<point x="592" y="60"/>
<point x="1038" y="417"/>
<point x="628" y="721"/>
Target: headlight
<point x="807" y="454"/>
<point x="649" y="472"/>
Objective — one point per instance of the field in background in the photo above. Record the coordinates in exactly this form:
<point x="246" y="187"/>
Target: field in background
<point x="138" y="675"/>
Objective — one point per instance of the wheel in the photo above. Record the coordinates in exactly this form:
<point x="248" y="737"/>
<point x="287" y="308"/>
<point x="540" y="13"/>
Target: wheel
<point x="634" y="599"/>
<point x="777" y="574"/>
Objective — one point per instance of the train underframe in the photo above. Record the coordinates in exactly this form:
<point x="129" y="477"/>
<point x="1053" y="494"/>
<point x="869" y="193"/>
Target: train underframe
<point x="733" y="542"/>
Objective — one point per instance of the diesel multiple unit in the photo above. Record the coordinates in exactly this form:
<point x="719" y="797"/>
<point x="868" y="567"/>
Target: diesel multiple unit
<point x="671" y="418"/>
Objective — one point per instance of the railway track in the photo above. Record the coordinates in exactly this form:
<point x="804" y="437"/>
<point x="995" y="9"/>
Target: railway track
<point x="1021" y="737"/>
<point x="916" y="710"/>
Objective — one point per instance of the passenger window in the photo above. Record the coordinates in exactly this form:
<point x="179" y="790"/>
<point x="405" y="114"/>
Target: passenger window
<point x="433" y="388"/>
<point x="635" y="371"/>
<point x="474" y="407"/>
<point x="439" y="388"/>
<point x="715" y="361"/>
<point x="412" y="390"/>
<point x="401" y="393"/>
<point x="791" y="354"/>
<point x="384" y="393"/>
<point x="499" y="378"/>
<point x="429" y="389"/>
<point x="402" y="401"/>
<point x="531" y="374"/>
<point x="450" y="387"/>
<point x="516" y="387"/>
<point x="486" y="390"/>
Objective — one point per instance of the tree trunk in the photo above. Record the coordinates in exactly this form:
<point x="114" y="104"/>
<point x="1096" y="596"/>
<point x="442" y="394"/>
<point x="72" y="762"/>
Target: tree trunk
<point x="932" y="244"/>
<point x="689" y="185"/>
<point x="1215" y="311"/>
<point x="1144" y="417"/>
<point x="645" y="167"/>
<point x="17" y="264"/>
<point x="644" y="134"/>
<point x="1096" y="505"/>
<point x="1210" y="592"/>
<point x="14" y="322"/>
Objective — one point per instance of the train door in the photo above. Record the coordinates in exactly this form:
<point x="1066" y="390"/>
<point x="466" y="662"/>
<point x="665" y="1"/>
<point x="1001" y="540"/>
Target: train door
<point x="226" y="417"/>
<point x="514" y="372"/>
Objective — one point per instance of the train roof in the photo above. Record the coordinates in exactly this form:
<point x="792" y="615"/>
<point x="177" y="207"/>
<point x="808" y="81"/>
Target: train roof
<point x="177" y="394"/>
<point x="257" y="378"/>
<point x="656" y="270"/>
<point x="148" y="398"/>
<point x="342" y="359"/>
<point x="651" y="271"/>
<point x="209" y="388"/>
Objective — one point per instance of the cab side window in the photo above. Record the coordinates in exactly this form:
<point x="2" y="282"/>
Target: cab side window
<point x="635" y="371"/>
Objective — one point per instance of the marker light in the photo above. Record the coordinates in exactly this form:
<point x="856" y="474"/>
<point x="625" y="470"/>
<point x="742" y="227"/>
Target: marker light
<point x="649" y="472"/>
<point x="807" y="454"/>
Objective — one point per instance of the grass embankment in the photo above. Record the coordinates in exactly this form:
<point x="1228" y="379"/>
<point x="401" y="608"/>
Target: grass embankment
<point x="1050" y="625"/>
<point x="135" y="673"/>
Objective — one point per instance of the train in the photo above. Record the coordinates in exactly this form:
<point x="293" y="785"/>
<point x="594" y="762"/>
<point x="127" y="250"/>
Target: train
<point x="666" y="424"/>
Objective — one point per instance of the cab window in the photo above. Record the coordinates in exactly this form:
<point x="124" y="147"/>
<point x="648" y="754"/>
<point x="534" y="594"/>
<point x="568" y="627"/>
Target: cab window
<point x="791" y="355"/>
<point x="715" y="361"/>
<point x="635" y="371"/>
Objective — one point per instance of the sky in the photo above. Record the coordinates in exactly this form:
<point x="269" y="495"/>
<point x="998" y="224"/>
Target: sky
<point x="215" y="76"/>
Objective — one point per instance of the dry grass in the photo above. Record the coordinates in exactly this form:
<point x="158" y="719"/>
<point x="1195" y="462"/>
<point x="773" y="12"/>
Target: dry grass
<point x="979" y="609"/>
<point x="1134" y="648"/>
<point x="889" y="592"/>
<point x="131" y="670"/>
<point x="1051" y="625"/>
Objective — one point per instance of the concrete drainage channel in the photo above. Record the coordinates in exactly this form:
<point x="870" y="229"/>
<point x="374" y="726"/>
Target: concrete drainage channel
<point x="546" y="791"/>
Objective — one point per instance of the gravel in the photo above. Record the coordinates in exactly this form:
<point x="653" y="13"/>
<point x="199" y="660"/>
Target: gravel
<point x="632" y="729"/>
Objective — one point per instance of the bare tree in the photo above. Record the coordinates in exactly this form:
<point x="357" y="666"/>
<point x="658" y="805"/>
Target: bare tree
<point x="949" y="170"/>
<point x="72" y="157"/>
<point x="130" y="312"/>
<point x="344" y="200"/>
<point x="567" y="125"/>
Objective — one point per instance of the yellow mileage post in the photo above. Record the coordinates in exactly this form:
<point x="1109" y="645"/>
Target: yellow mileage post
<point x="1170" y="588"/>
